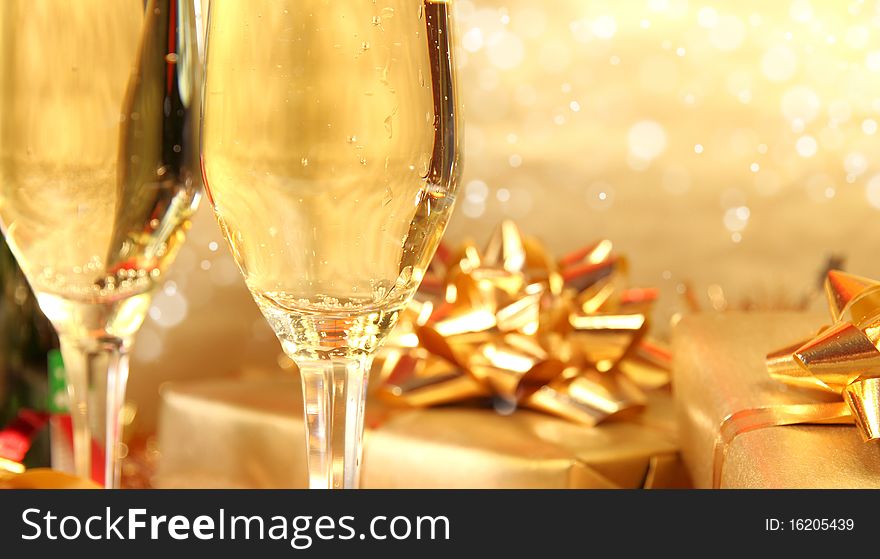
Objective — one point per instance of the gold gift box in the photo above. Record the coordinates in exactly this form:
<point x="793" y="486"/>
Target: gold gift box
<point x="720" y="369"/>
<point x="249" y="434"/>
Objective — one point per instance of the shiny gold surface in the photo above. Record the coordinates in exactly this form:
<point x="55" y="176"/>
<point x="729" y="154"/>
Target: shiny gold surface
<point x="43" y="478"/>
<point x="719" y="371"/>
<point x="225" y="434"/>
<point x="561" y="337"/>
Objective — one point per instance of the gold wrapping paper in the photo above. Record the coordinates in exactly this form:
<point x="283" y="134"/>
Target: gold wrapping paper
<point x="719" y="370"/>
<point x="249" y="433"/>
<point x="564" y="337"/>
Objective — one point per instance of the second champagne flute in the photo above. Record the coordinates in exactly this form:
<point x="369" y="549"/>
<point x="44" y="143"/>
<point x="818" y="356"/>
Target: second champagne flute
<point x="330" y="152"/>
<point x="98" y="180"/>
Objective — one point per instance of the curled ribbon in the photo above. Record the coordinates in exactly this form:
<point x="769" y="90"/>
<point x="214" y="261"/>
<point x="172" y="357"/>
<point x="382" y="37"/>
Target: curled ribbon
<point x="512" y="324"/>
<point x="842" y="359"/>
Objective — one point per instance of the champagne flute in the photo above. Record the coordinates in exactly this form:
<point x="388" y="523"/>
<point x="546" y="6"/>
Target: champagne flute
<point x="330" y="154"/>
<point x="98" y="161"/>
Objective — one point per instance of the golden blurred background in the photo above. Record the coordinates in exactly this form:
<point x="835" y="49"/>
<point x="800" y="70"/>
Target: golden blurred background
<point x="731" y="146"/>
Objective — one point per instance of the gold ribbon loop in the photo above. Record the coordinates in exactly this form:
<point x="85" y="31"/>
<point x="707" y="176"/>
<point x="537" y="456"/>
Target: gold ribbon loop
<point x="647" y="364"/>
<point x="863" y="399"/>
<point x="837" y="356"/>
<point x="415" y="378"/>
<point x="589" y="398"/>
<point x="842" y="288"/>
<point x="506" y="249"/>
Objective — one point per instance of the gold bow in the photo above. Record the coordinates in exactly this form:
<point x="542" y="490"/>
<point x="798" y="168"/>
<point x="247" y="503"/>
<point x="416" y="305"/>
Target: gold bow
<point x="509" y="322"/>
<point x="842" y="358"/>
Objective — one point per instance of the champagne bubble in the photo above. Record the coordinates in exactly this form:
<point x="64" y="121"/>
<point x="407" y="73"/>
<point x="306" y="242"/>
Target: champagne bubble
<point x="379" y="292"/>
<point x="388" y="128"/>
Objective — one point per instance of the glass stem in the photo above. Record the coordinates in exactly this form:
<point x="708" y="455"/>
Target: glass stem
<point x="334" y="391"/>
<point x="97" y="372"/>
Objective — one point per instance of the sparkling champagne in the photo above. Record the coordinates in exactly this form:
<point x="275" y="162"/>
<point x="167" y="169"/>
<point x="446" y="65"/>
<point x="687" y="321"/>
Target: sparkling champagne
<point x="330" y="155"/>
<point x="98" y="153"/>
